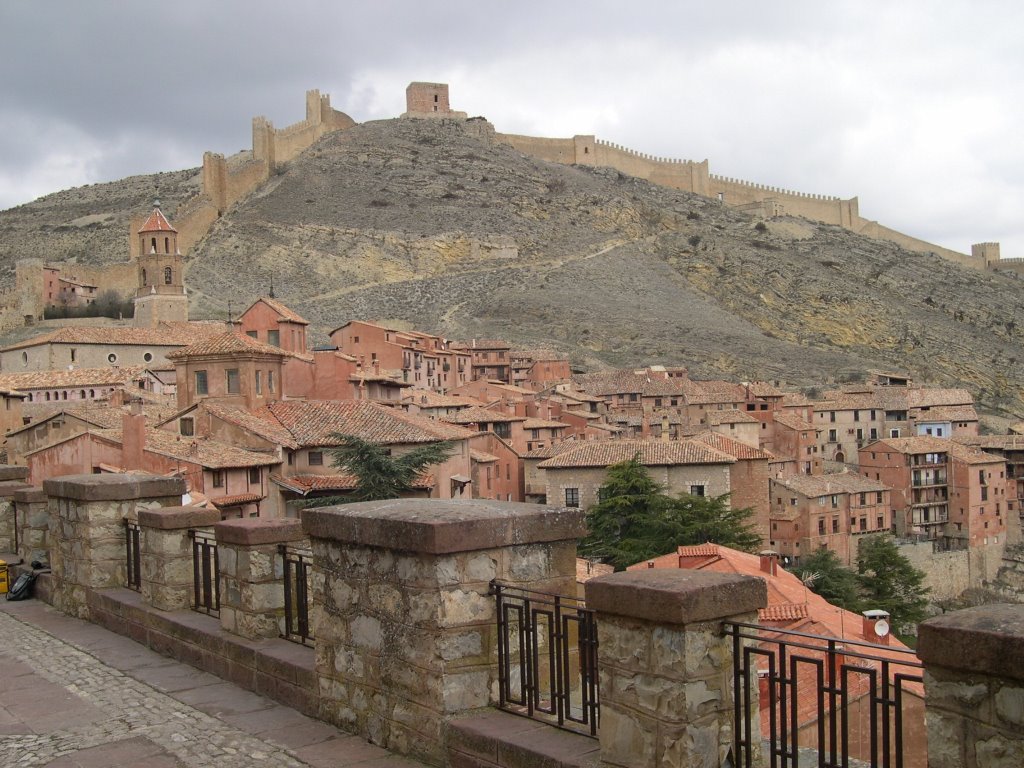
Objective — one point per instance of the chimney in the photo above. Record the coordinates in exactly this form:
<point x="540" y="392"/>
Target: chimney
<point x="650" y="563"/>
<point x="376" y="367"/>
<point x="876" y="627"/>
<point x="769" y="562"/>
<point x="664" y="428"/>
<point x="133" y="436"/>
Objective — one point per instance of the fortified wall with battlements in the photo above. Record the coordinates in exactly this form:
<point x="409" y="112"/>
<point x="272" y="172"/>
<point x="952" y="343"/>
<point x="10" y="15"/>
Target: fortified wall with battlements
<point x="227" y="180"/>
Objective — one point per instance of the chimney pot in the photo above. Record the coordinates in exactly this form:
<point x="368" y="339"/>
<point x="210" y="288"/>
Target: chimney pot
<point x="769" y="562"/>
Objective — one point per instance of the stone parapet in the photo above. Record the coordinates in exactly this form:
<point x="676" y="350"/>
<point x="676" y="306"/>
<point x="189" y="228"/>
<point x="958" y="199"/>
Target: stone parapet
<point x="252" y="574"/>
<point x="405" y="625"/>
<point x="974" y="687"/>
<point x="87" y="515"/>
<point x="166" y="553"/>
<point x="443" y="526"/>
<point x="114" y="487"/>
<point x="665" y="666"/>
<point x="9" y="472"/>
<point x="32" y="524"/>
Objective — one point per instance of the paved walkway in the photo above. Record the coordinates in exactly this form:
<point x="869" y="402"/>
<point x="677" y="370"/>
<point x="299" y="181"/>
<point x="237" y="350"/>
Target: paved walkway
<point x="74" y="694"/>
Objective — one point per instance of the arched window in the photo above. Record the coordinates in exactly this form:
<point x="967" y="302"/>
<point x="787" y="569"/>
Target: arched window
<point x="167" y="275"/>
<point x="153" y="244"/>
<point x="92" y="394"/>
<point x="47" y="395"/>
<point x="143" y="277"/>
<point x="81" y="395"/>
<point x="167" y="245"/>
<point x="64" y="395"/>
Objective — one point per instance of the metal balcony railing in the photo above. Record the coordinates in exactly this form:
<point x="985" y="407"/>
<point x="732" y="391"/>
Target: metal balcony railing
<point x="547" y="657"/>
<point x="205" y="572"/>
<point x="808" y="693"/>
<point x="298" y="567"/>
<point x="133" y="556"/>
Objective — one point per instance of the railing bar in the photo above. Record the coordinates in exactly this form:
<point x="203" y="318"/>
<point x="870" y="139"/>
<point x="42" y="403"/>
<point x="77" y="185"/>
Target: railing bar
<point x="832" y="691"/>
<point x="886" y="737"/>
<point x="759" y="632"/>
<point x="783" y="708"/>
<point x="738" y="670"/>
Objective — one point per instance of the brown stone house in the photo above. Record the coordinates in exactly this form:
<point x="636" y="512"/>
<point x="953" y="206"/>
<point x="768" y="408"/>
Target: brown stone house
<point x="737" y="425"/>
<point x="305" y="430"/>
<point x="491" y="359"/>
<point x="748" y="476"/>
<point x="811" y="512"/>
<point x="794" y="440"/>
<point x="424" y="402"/>
<point x="270" y="321"/>
<point x="943" y="490"/>
<point x="497" y="469"/>
<point x="234" y="480"/>
<point x="507" y="426"/>
<point x="574" y="476"/>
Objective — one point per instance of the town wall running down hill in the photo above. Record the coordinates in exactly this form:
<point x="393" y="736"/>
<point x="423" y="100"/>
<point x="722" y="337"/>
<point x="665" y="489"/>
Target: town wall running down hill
<point x="227" y="180"/>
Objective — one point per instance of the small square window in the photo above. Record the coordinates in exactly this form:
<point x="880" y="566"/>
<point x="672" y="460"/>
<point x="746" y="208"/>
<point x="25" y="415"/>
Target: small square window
<point x="572" y="497"/>
<point x="316" y="458"/>
<point x="254" y="475"/>
<point x="187" y="427"/>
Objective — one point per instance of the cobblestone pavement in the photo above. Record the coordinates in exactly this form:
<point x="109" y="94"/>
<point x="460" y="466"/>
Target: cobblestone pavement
<point x="74" y="694"/>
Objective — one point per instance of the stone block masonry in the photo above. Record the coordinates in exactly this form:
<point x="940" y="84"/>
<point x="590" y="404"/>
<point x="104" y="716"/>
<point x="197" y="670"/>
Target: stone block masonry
<point x="32" y="520"/>
<point x="87" y="514"/>
<point x="166" y="553"/>
<point x="974" y="687"/>
<point x="405" y="625"/>
<point x="252" y="574"/>
<point x="665" y="665"/>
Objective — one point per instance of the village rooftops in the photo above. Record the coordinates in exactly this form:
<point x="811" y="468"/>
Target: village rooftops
<point x="229" y="343"/>
<point x="794" y="422"/>
<point x="815" y="486"/>
<point x="67" y="379"/>
<point x="166" y="335"/>
<point x="735" y="448"/>
<point x="315" y="422"/>
<point x="552" y="450"/>
<point x="285" y="313"/>
<point x="532" y="423"/>
<point x="926" y="444"/>
<point x="306" y="484"/>
<point x="268" y="429"/>
<point x="650" y="453"/>
<point x="729" y="416"/>
<point x="477" y="415"/>
<point x="992" y="442"/>
<point x="426" y="398"/>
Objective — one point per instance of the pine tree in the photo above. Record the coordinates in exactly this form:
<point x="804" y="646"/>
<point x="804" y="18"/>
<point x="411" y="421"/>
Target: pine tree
<point x="824" y="575"/>
<point x="635" y="520"/>
<point x="379" y="474"/>
<point x="889" y="581"/>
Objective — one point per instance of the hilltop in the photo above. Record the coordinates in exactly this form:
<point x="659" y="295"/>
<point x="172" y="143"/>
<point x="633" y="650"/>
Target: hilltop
<point x="433" y="224"/>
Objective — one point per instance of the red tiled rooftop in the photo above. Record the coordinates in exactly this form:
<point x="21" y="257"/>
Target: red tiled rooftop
<point x="157" y="222"/>
<point x="602" y="453"/>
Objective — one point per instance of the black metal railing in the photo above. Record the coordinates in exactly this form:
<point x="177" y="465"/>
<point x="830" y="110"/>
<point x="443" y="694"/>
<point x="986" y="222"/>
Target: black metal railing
<point x="133" y="555"/>
<point x="846" y="700"/>
<point x="298" y="565"/>
<point x="205" y="572"/>
<point x="547" y="657"/>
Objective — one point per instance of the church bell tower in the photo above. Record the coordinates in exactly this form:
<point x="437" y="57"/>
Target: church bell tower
<point x="160" y="296"/>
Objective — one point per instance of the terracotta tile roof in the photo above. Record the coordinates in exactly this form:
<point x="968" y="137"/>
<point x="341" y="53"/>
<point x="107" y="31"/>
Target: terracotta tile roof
<point x="795" y="400"/>
<point x="921" y="444"/>
<point x="481" y="344"/>
<point x="482" y="458"/>
<point x="236" y="500"/>
<point x="784" y="612"/>
<point x="714" y="392"/>
<point x="157" y="222"/>
<point x="268" y="429"/>
<point x="536" y="354"/>
<point x="312" y="422"/>
<point x="305" y="484"/>
<point x="229" y="343"/>
<point x="794" y="422"/>
<point x="739" y="450"/>
<point x="764" y="389"/>
<point x="543" y="424"/>
<point x="286" y="313"/>
<point x="813" y="486"/>
<point x="602" y="453"/>
<point x="730" y="416"/>
<point x="168" y="335"/>
<point x="698" y="550"/>
<point x="78" y="377"/>
<point x="551" y="450"/>
<point x="211" y="454"/>
<point x="477" y="415"/>
<point x="920" y="397"/>
<point x="968" y="454"/>
<point x="992" y="442"/>
<point x="946" y="413"/>
<point x="426" y="398"/>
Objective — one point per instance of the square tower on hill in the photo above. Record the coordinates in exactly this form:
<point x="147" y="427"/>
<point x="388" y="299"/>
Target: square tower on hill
<point x="428" y="100"/>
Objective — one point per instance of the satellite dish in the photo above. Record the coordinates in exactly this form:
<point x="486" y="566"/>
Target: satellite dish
<point x="881" y="627"/>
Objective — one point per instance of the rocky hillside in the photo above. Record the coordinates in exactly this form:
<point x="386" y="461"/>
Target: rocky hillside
<point x="432" y="224"/>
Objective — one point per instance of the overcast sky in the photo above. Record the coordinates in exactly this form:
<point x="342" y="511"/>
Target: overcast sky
<point x="915" y="107"/>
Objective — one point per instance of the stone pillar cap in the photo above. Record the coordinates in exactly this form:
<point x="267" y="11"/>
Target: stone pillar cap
<point x="13" y="472"/>
<point x="442" y="526"/>
<point x="10" y="488"/>
<point x="676" y="596"/>
<point x="983" y="639"/>
<point x="250" y="532"/>
<point x="30" y="494"/>
<point x="113" y="487"/>
<point x="174" y="518"/>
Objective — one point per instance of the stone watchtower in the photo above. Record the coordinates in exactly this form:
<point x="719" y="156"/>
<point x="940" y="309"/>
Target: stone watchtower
<point x="429" y="100"/>
<point x="160" y="296"/>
